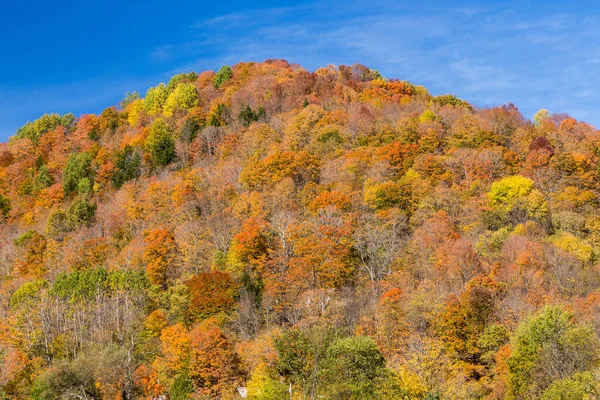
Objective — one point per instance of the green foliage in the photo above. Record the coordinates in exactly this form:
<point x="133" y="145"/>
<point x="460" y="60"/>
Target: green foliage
<point x="5" y="206"/>
<point x="183" y="98"/>
<point x="129" y="98"/>
<point x="160" y="144"/>
<point x="83" y="285"/>
<point x="175" y="80"/>
<point x="222" y="76"/>
<point x="218" y="116"/>
<point x="57" y="225"/>
<point x="181" y="388"/>
<point x="42" y="180"/>
<point x="582" y="385"/>
<point x="189" y="130"/>
<point x="155" y="99"/>
<point x="448" y="99"/>
<point x="81" y="212"/>
<point x="46" y="123"/>
<point x="78" y="167"/>
<point x="27" y="293"/>
<point x="385" y="195"/>
<point x="22" y="239"/>
<point x="352" y="368"/>
<point x="247" y="115"/>
<point x="67" y="380"/>
<point x="127" y="166"/>
<point x="301" y="354"/>
<point x="493" y="337"/>
<point x="547" y="346"/>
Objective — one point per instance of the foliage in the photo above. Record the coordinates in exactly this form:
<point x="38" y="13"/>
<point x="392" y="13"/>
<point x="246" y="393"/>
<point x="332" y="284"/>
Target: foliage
<point x="308" y="234"/>
<point x="547" y="347"/>
<point x="46" y="123"/>
<point x="223" y="75"/>
<point x="5" y="206"/>
<point x="155" y="99"/>
<point x="160" y="144"/>
<point x="127" y="166"/>
<point x="352" y="368"/>
<point x="183" y="98"/>
<point x="78" y="168"/>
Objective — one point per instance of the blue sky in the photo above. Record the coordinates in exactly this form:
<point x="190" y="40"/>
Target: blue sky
<point x="83" y="56"/>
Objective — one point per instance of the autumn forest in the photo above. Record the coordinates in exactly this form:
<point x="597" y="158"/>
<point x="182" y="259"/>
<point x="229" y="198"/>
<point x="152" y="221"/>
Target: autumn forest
<point x="271" y="233"/>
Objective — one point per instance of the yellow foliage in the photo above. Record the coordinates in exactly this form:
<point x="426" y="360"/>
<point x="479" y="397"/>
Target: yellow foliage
<point x="572" y="244"/>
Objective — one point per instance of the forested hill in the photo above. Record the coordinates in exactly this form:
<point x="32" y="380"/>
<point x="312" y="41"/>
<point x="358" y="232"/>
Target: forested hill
<point x="335" y="232"/>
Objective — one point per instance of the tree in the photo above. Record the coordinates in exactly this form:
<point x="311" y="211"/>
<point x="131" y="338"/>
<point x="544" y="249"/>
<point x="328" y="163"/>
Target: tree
<point x="379" y="239"/>
<point x="159" y="256"/>
<point x="46" y="123"/>
<point x="352" y="369"/>
<point x="540" y="116"/>
<point x="212" y="293"/>
<point x="67" y="380"/>
<point x="547" y="347"/>
<point x="183" y="98"/>
<point x="80" y="212"/>
<point x="464" y="322"/>
<point x="155" y="99"/>
<point x="129" y="98"/>
<point x="301" y="354"/>
<point x="160" y="144"/>
<point x="223" y="75"/>
<point x="78" y="168"/>
<point x="127" y="166"/>
<point x="247" y="115"/>
<point x="42" y="180"/>
<point x="215" y="368"/>
<point x="5" y="206"/>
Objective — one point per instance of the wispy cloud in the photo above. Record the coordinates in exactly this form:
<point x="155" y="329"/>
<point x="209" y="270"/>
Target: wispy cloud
<point x="489" y="53"/>
<point x="531" y="53"/>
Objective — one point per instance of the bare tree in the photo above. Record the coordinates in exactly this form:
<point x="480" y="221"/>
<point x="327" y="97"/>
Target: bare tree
<point x="378" y="241"/>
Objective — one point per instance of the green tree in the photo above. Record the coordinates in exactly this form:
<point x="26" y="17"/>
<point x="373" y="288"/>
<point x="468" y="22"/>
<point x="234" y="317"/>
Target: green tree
<point x="129" y="98"/>
<point x="184" y="98"/>
<point x="160" y="143"/>
<point x="155" y="99"/>
<point x="42" y="180"/>
<point x="81" y="212"/>
<point x="353" y="368"/>
<point x="127" y="166"/>
<point x="547" y="347"/>
<point x="5" y="206"/>
<point x="78" y="167"/>
<point x="189" y="130"/>
<point x="222" y="76"/>
<point x="580" y="386"/>
<point x="67" y="380"/>
<point x="300" y="356"/>
<point x="247" y="115"/>
<point x="179" y="78"/>
<point x="46" y="123"/>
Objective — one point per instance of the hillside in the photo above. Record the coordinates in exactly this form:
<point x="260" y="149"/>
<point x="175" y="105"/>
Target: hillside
<point x="335" y="232"/>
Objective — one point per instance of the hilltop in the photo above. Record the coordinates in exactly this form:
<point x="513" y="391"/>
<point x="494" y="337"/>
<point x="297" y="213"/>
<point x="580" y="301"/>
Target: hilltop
<point x="336" y="232"/>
